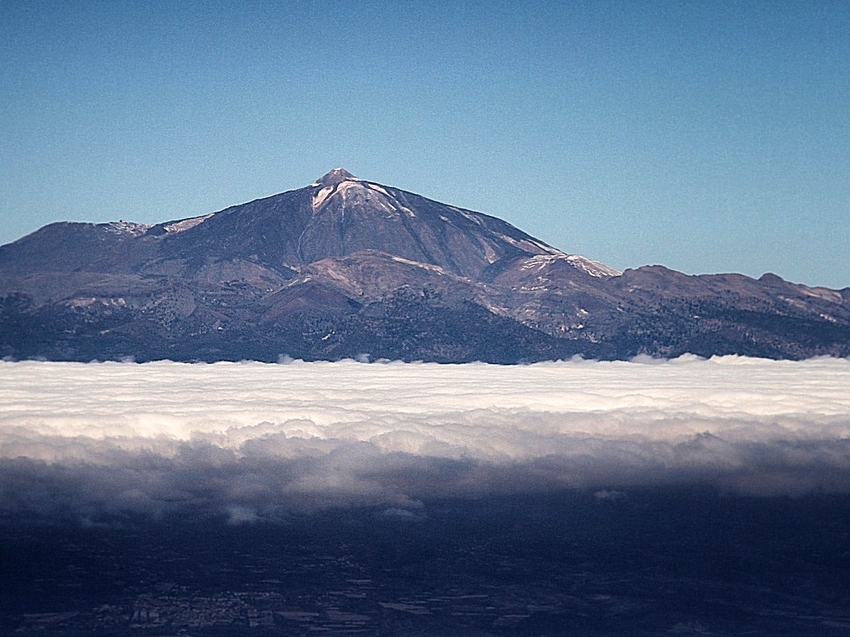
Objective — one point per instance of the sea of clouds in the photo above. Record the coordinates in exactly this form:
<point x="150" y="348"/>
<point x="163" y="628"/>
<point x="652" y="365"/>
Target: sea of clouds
<point x="252" y="441"/>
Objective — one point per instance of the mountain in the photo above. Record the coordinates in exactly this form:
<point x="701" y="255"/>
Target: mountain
<point x="346" y="267"/>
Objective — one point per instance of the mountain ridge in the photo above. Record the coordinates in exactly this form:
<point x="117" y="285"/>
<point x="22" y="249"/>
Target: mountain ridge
<point x="346" y="266"/>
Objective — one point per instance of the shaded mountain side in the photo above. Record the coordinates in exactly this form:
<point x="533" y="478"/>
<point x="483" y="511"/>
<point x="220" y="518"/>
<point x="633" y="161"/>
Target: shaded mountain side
<point x="346" y="267"/>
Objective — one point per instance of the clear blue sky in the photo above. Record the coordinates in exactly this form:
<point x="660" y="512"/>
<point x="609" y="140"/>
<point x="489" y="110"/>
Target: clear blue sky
<point x="705" y="136"/>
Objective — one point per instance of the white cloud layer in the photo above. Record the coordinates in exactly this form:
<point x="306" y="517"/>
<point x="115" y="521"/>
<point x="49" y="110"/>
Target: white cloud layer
<point x="254" y="440"/>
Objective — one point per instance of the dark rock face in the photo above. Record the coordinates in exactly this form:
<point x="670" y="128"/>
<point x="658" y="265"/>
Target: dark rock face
<point x="345" y="267"/>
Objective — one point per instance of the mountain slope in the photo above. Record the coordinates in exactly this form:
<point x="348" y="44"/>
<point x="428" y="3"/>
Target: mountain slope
<point x="345" y="267"/>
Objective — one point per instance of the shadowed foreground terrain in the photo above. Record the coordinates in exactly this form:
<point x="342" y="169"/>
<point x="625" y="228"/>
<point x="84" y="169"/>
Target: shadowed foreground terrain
<point x="643" y="562"/>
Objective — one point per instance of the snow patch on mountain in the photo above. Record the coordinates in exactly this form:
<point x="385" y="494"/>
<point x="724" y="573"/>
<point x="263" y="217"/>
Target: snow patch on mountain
<point x="822" y="293"/>
<point x="379" y="189"/>
<point x="588" y="266"/>
<point x="320" y="197"/>
<point x="591" y="267"/>
<point x="489" y="253"/>
<point x="425" y="266"/>
<point x="126" y="228"/>
<point x="468" y="215"/>
<point x="529" y="245"/>
<point x="186" y="224"/>
<point x="539" y="261"/>
<point x="352" y="188"/>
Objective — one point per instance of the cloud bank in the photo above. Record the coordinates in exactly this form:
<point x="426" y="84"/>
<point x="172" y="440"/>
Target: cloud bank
<point x="253" y="441"/>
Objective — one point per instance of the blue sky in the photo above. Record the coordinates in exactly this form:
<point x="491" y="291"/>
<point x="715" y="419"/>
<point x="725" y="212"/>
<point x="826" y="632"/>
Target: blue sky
<point x="704" y="136"/>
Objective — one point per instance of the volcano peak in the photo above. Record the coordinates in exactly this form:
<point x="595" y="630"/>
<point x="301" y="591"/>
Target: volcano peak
<point x="334" y="177"/>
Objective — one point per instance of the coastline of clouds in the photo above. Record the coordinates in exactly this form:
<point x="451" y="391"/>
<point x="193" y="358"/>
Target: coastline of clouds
<point x="254" y="441"/>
